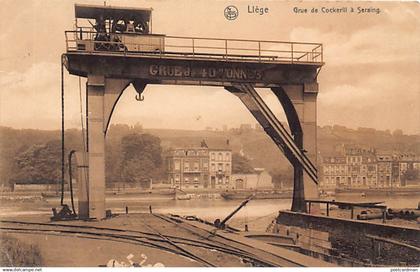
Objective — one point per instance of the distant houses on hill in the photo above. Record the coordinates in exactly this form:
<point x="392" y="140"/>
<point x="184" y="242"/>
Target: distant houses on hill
<point x="357" y="167"/>
<point x="211" y="168"/>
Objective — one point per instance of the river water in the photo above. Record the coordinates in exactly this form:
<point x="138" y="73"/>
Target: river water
<point x="257" y="214"/>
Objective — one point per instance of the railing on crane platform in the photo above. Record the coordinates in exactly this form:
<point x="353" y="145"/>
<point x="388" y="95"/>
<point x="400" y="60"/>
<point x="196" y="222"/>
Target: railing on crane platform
<point x="198" y="48"/>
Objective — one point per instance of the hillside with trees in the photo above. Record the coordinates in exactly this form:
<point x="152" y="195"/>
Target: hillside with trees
<point x="134" y="154"/>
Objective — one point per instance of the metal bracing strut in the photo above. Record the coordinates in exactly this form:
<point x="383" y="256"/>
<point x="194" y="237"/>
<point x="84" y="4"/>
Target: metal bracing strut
<point x="273" y="127"/>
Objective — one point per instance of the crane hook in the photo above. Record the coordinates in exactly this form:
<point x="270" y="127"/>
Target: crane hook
<point x="139" y="97"/>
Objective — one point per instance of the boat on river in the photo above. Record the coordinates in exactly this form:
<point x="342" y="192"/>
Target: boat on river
<point x="397" y="191"/>
<point x="259" y="194"/>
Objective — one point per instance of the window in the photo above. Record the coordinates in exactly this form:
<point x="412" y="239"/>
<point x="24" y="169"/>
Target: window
<point x="177" y="165"/>
<point x="212" y="156"/>
<point x="186" y="179"/>
<point x="186" y="166"/>
<point x="177" y="178"/>
<point x="213" y="167"/>
<point x="205" y="166"/>
<point x="196" y="166"/>
<point x="195" y="179"/>
<point x="220" y="166"/>
<point x="227" y="166"/>
<point x="220" y="157"/>
<point x="227" y="156"/>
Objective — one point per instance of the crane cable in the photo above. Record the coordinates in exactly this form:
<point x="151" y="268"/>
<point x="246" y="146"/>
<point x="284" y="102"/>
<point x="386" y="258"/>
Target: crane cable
<point x="63" y="138"/>
<point x="81" y="114"/>
<point x="71" y="183"/>
<point x="72" y="152"/>
<point x="62" y="131"/>
<point x="84" y="134"/>
<point x="83" y="127"/>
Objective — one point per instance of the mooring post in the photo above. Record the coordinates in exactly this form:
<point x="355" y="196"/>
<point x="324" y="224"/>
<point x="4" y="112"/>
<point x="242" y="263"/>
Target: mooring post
<point x="328" y="209"/>
<point x="384" y="216"/>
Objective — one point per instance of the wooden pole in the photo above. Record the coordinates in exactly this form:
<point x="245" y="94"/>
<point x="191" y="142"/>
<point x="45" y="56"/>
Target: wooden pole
<point x="328" y="209"/>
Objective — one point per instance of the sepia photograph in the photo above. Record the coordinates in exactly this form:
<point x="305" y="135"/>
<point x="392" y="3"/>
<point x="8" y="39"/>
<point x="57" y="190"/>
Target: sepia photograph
<point x="209" y="133"/>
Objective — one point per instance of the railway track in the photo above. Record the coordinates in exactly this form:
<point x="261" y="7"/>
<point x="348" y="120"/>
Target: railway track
<point x="154" y="243"/>
<point x="186" y="251"/>
<point x="153" y="239"/>
<point x="130" y="234"/>
<point x="260" y="257"/>
<point x="187" y="244"/>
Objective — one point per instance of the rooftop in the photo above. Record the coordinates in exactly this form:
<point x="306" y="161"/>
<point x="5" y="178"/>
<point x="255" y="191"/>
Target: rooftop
<point x="108" y="12"/>
<point x="110" y="34"/>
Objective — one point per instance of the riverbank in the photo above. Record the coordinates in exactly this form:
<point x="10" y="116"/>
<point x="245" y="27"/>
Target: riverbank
<point x="257" y="214"/>
<point x="397" y="191"/>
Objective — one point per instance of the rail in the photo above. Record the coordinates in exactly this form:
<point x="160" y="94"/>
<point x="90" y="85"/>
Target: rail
<point x="351" y="205"/>
<point x="85" y="40"/>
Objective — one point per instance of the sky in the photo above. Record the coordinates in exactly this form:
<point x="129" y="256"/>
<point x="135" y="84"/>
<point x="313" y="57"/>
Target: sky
<point x="370" y="77"/>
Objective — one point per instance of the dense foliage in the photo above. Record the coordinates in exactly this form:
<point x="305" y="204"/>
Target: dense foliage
<point x="140" y="157"/>
<point x="15" y="253"/>
<point x="241" y="164"/>
<point x="131" y="156"/>
<point x="282" y="179"/>
<point x="411" y="174"/>
<point x="22" y="149"/>
<point x="39" y="164"/>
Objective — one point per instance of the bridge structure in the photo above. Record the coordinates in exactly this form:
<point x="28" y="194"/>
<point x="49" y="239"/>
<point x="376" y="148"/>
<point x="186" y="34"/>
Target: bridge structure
<point x="119" y="49"/>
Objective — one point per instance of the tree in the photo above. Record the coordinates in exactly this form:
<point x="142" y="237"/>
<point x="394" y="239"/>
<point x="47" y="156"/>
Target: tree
<point x="410" y="174"/>
<point x="140" y="157"/>
<point x="39" y="164"/>
<point x="138" y="170"/>
<point x="397" y="133"/>
<point x="282" y="178"/>
<point x="241" y="164"/>
<point x="112" y="161"/>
